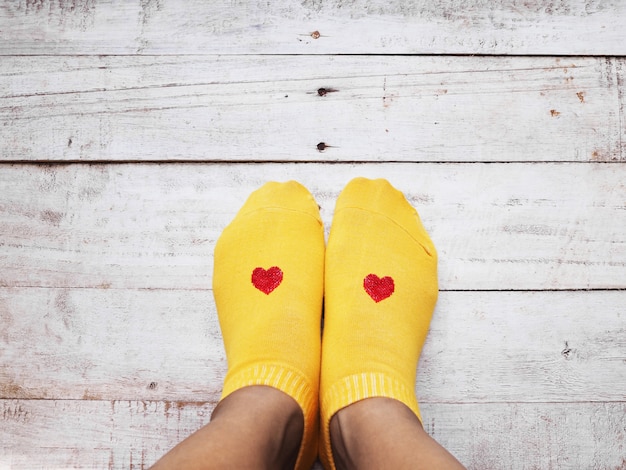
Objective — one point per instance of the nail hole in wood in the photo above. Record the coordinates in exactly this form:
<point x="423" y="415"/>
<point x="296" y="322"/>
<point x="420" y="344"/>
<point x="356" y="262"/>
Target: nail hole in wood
<point x="566" y="353"/>
<point x="325" y="91"/>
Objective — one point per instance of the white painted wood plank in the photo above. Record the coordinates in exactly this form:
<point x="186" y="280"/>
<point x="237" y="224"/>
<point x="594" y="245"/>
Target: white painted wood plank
<point x="566" y="27"/>
<point x="546" y="436"/>
<point x="110" y="344"/>
<point x="498" y="226"/>
<point x="267" y="108"/>
<point x="115" y="344"/>
<point x="620" y="73"/>
<point x="130" y="434"/>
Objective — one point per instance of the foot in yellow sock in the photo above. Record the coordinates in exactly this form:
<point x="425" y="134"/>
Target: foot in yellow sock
<point x="268" y="287"/>
<point x="380" y="292"/>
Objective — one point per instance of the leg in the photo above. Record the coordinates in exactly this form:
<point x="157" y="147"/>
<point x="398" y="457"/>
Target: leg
<point x="268" y="284"/>
<point x="380" y="293"/>
<point x="254" y="427"/>
<point x="383" y="433"/>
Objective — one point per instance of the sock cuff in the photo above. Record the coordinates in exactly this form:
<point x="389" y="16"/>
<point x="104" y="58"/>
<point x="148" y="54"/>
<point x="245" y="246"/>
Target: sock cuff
<point x="295" y="384"/>
<point x="355" y="388"/>
<point x="286" y="379"/>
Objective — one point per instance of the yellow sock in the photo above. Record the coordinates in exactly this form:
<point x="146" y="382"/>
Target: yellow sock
<point x="268" y="287"/>
<point x="380" y="292"/>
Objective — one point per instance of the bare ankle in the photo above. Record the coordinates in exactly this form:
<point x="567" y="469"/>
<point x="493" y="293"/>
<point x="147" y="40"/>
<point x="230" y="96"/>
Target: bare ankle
<point x="341" y="456"/>
<point x="384" y="433"/>
<point x="276" y="417"/>
<point x="291" y="439"/>
<point x="356" y="423"/>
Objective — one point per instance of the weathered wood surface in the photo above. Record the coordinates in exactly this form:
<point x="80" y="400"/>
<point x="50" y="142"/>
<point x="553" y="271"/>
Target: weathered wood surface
<point x="166" y="345"/>
<point x="134" y="434"/>
<point x="110" y="350"/>
<point x="496" y="226"/>
<point x="561" y="27"/>
<point x="279" y="108"/>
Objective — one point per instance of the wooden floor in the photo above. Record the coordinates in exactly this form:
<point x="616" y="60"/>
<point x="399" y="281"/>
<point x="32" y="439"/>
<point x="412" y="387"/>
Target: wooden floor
<point x="130" y="133"/>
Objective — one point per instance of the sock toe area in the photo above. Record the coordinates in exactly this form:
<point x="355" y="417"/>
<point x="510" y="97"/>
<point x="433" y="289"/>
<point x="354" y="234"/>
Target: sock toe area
<point x="380" y="197"/>
<point x="290" y="195"/>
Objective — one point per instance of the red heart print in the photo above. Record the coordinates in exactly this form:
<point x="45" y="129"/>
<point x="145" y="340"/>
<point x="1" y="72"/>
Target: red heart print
<point x="378" y="288"/>
<point x="266" y="280"/>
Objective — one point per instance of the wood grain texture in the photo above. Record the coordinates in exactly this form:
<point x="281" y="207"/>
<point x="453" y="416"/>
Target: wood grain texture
<point x="134" y="434"/>
<point x="513" y="152"/>
<point x="497" y="226"/>
<point x="559" y="27"/>
<point x="279" y="108"/>
<point x="527" y="436"/>
<point x="620" y="74"/>
<point x="484" y="347"/>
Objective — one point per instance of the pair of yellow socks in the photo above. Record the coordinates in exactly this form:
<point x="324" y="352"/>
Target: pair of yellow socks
<point x="377" y="279"/>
